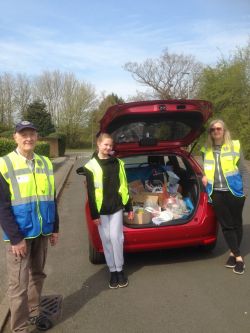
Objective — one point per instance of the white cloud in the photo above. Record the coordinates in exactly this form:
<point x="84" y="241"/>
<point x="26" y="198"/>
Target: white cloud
<point x="99" y="58"/>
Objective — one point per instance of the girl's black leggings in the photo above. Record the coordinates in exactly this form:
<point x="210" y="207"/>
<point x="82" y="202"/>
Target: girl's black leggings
<point x="228" y="209"/>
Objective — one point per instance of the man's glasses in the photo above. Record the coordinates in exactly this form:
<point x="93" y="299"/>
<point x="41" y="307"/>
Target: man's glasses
<point x="213" y="129"/>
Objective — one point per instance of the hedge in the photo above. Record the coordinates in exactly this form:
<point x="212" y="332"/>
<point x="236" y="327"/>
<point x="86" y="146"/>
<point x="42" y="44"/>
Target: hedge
<point x="42" y="148"/>
<point x="8" y="145"/>
<point x="7" y="134"/>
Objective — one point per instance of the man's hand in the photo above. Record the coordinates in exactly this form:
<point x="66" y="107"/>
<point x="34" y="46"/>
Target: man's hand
<point x="20" y="249"/>
<point x="53" y="238"/>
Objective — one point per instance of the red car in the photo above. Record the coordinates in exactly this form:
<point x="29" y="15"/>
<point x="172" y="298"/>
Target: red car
<point x="153" y="138"/>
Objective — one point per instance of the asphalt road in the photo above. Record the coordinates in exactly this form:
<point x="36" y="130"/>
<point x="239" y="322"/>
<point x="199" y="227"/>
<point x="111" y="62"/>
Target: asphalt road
<point x="177" y="291"/>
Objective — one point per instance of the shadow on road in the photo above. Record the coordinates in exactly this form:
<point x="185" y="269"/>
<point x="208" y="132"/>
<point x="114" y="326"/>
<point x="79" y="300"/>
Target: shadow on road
<point x="90" y="289"/>
<point x="97" y="283"/>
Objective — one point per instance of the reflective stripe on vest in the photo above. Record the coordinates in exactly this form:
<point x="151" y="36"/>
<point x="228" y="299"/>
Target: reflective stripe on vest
<point x="96" y="170"/>
<point x="32" y="194"/>
<point x="228" y="159"/>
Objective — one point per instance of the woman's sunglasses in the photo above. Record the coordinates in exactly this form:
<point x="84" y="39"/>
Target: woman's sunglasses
<point x="213" y="129"/>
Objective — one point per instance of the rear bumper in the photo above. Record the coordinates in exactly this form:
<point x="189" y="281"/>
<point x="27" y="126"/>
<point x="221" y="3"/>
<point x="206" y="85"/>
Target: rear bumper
<point x="168" y="244"/>
<point x="199" y="231"/>
<point x="136" y="240"/>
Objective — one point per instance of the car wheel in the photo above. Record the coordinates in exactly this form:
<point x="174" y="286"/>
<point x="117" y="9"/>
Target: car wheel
<point x="94" y="256"/>
<point x="209" y="247"/>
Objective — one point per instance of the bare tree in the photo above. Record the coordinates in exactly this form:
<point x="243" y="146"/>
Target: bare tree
<point x="77" y="101"/>
<point x="141" y="96"/>
<point x="48" y="87"/>
<point x="7" y="99"/>
<point x="23" y="94"/>
<point x="169" y="76"/>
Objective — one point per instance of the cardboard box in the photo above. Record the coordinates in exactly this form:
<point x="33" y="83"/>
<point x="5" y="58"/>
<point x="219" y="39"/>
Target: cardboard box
<point x="136" y="187"/>
<point x="142" y="197"/>
<point x="141" y="217"/>
<point x="155" y="198"/>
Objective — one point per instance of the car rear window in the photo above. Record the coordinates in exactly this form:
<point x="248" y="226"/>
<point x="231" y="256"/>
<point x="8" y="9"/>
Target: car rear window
<point x="168" y="130"/>
<point x="143" y="160"/>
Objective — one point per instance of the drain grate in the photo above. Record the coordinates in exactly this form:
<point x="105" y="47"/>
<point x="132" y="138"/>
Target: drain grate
<point x="51" y="306"/>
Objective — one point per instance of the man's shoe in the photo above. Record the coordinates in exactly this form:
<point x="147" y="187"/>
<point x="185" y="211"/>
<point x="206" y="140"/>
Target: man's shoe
<point x="43" y="323"/>
<point x="32" y="320"/>
<point x="122" y="279"/>
<point x="239" y="267"/>
<point x="113" y="283"/>
<point x="231" y="262"/>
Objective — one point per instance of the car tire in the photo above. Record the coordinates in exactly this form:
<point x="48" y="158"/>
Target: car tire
<point x="95" y="257"/>
<point x="209" y="247"/>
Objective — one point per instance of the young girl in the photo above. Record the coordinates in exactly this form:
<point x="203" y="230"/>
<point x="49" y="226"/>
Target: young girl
<point x="108" y="194"/>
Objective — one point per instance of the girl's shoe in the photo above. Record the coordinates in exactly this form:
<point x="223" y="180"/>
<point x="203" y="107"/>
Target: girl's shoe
<point x="231" y="262"/>
<point x="239" y="267"/>
<point x="122" y="279"/>
<point x="113" y="283"/>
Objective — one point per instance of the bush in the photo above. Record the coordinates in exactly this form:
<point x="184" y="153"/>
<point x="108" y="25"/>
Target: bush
<point x="4" y="127"/>
<point x="7" y="146"/>
<point x="7" y="134"/>
<point x="42" y="148"/>
<point x="61" y="141"/>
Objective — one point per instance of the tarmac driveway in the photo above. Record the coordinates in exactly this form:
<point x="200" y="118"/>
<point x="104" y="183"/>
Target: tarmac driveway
<point x="170" y="291"/>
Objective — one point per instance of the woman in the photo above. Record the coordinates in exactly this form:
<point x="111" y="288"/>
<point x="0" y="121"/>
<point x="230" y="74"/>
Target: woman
<point x="108" y="195"/>
<point x="227" y="183"/>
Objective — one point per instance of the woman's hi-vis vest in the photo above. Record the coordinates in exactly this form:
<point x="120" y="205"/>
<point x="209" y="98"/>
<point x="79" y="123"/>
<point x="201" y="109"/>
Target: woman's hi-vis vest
<point x="96" y="169"/>
<point x="32" y="194"/>
<point x="229" y="157"/>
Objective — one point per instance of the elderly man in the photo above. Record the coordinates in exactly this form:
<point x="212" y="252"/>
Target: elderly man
<point x="29" y="218"/>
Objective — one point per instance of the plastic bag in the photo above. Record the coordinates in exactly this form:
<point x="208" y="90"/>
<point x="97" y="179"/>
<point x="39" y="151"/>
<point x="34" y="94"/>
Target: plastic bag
<point x="152" y="207"/>
<point x="172" y="178"/>
<point x="164" y="216"/>
<point x="189" y="204"/>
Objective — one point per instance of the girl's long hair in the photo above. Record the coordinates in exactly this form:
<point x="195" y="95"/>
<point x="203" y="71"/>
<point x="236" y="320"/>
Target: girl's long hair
<point x="226" y="134"/>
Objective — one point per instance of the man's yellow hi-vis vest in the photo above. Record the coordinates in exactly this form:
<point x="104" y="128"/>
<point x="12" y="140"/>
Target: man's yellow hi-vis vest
<point x="32" y="194"/>
<point x="229" y="157"/>
<point x="96" y="169"/>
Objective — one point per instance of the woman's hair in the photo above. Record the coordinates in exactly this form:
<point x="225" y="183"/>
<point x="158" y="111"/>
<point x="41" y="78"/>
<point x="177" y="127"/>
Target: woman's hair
<point x="226" y="134"/>
<point x="103" y="136"/>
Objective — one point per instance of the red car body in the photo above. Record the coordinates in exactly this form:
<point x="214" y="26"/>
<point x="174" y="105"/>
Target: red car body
<point x="167" y="128"/>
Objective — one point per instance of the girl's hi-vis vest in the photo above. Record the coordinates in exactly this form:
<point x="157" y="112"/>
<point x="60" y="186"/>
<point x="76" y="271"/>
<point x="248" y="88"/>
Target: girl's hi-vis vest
<point x="32" y="194"/>
<point x="96" y="169"/>
<point x="229" y="157"/>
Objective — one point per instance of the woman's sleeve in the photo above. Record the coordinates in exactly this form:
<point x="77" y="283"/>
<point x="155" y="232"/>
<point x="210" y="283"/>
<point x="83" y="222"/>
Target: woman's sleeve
<point x="244" y="173"/>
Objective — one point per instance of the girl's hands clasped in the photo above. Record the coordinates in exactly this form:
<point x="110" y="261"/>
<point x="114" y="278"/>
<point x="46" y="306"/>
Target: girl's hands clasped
<point x="97" y="221"/>
<point x="131" y="215"/>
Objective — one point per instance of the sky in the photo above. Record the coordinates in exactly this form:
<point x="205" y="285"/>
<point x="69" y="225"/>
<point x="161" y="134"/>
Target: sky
<point x="94" y="39"/>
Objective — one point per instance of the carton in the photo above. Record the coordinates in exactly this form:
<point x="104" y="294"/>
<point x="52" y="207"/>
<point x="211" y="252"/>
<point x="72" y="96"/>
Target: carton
<point x="141" y="217"/>
<point x="142" y="197"/>
<point x="135" y="187"/>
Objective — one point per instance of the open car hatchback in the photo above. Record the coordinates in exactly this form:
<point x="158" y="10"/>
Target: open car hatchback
<point x="171" y="206"/>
